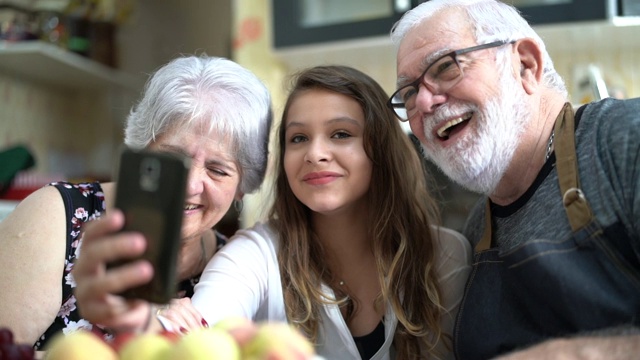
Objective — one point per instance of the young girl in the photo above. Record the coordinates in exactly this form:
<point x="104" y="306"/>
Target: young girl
<point x="350" y="253"/>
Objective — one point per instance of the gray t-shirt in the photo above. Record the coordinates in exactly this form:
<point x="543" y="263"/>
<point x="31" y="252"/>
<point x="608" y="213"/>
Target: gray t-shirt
<point x="608" y="149"/>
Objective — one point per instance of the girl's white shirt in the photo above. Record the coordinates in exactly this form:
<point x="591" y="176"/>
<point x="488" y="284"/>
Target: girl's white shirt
<point x="243" y="279"/>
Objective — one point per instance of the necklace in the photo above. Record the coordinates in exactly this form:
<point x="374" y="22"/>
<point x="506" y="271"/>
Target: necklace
<point x="550" y="145"/>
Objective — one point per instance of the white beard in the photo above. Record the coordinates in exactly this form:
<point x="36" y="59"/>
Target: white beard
<point x="479" y="159"/>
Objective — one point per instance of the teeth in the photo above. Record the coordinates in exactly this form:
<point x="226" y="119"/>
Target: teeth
<point x="443" y="132"/>
<point x="190" y="207"/>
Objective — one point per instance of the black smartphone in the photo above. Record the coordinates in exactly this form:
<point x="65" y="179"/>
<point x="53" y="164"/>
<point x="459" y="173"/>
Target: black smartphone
<point x="150" y="191"/>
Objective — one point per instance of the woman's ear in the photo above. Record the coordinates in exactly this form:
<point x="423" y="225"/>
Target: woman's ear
<point x="530" y="63"/>
<point x="239" y="196"/>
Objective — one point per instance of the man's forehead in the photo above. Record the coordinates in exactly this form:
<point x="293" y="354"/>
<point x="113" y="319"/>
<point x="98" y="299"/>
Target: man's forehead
<point x="443" y="32"/>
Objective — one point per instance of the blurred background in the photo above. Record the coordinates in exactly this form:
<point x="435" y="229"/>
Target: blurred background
<point x="71" y="69"/>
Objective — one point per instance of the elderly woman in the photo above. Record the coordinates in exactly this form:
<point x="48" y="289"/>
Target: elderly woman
<point x="211" y="110"/>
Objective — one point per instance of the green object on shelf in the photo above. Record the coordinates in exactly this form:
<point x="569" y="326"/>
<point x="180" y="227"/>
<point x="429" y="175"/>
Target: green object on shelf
<point x="12" y="161"/>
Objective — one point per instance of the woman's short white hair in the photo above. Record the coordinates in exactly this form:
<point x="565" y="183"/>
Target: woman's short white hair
<point x="490" y="20"/>
<point x="215" y="94"/>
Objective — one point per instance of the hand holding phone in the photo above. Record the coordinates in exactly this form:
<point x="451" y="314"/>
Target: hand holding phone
<point x="150" y="191"/>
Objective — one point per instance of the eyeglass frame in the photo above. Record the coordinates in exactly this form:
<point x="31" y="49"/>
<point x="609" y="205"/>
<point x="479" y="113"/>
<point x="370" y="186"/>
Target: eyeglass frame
<point x="454" y="54"/>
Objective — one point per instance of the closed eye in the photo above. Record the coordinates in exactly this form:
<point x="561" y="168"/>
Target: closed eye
<point x="218" y="171"/>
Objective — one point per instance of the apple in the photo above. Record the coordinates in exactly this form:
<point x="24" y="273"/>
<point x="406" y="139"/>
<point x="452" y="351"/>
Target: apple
<point x="242" y="329"/>
<point x="79" y="345"/>
<point x="173" y="337"/>
<point x="9" y="352"/>
<point x="146" y="347"/>
<point x="26" y="351"/>
<point x="120" y="339"/>
<point x="206" y="344"/>
<point x="278" y="341"/>
<point x="6" y="335"/>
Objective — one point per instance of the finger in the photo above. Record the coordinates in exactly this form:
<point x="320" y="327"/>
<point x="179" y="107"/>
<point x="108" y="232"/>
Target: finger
<point x="109" y="223"/>
<point x="102" y="309"/>
<point x="130" y="315"/>
<point x="182" y="313"/>
<point x="118" y="279"/>
<point x="114" y="248"/>
<point x="192" y="317"/>
<point x="96" y="253"/>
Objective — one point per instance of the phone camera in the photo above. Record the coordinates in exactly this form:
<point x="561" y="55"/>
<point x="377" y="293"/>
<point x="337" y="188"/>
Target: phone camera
<point x="149" y="174"/>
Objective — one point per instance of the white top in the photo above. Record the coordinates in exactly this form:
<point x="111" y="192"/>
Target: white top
<point x="243" y="279"/>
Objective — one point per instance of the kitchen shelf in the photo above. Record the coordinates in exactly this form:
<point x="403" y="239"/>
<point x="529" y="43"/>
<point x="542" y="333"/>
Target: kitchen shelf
<point x="49" y="64"/>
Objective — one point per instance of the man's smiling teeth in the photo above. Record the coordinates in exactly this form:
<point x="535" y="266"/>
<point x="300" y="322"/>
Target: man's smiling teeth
<point x="190" y="207"/>
<point x="443" y="132"/>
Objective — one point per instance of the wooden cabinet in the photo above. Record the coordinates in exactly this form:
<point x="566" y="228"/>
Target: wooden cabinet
<point x="539" y="12"/>
<point x="305" y="22"/>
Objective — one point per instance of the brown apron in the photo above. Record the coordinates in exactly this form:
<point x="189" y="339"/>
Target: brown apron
<point x="549" y="288"/>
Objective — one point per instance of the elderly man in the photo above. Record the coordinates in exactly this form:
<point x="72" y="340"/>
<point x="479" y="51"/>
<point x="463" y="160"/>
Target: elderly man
<point x="557" y="238"/>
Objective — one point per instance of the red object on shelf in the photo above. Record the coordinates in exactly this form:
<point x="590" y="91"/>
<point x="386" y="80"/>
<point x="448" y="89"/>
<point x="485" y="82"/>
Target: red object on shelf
<point x="26" y="182"/>
<point x="18" y="193"/>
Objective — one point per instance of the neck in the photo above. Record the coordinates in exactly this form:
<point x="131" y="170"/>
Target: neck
<point x="347" y="243"/>
<point x="195" y="254"/>
<point x="343" y="233"/>
<point x="530" y="156"/>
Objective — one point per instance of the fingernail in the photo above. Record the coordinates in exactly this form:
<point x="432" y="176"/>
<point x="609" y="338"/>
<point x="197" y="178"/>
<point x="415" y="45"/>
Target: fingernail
<point x="183" y="330"/>
<point x="204" y="323"/>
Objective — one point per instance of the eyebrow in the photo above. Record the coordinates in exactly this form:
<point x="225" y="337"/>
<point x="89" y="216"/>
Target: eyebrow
<point x="338" y="119"/>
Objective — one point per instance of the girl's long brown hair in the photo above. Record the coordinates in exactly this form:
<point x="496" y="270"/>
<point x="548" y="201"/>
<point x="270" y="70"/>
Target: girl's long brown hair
<point x="401" y="214"/>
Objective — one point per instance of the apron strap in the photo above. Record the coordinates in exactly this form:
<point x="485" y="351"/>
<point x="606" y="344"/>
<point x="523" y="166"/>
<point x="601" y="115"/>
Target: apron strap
<point x="485" y="242"/>
<point x="573" y="199"/>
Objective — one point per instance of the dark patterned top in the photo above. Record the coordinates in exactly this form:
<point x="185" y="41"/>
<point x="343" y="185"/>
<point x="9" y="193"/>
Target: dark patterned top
<point x="85" y="202"/>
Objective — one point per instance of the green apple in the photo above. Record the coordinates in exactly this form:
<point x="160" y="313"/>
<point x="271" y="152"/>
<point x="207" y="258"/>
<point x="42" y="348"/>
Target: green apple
<point x="206" y="344"/>
<point x="146" y="347"/>
<point x="242" y="329"/>
<point x="79" y="345"/>
<point x="278" y="341"/>
<point x="120" y="339"/>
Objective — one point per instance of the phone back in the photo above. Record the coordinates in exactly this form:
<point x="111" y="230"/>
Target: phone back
<point x="150" y="192"/>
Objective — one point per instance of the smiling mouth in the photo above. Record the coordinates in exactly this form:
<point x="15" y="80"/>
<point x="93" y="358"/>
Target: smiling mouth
<point x="453" y="124"/>
<point x="190" y="207"/>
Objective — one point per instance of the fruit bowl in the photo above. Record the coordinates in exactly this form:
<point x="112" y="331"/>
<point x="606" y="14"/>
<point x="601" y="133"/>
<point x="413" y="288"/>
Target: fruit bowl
<point x="230" y="339"/>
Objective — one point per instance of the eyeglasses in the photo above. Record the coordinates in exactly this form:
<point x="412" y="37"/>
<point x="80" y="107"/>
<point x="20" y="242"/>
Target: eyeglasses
<point x="441" y="75"/>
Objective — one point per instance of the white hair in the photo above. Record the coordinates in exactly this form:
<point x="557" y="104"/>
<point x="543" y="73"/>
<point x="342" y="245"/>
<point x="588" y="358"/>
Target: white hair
<point x="212" y="92"/>
<point x="490" y="20"/>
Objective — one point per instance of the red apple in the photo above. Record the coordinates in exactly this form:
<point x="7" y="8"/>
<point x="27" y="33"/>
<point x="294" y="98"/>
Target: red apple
<point x="27" y="352"/>
<point x="120" y="339"/>
<point x="6" y="336"/>
<point x="171" y="336"/>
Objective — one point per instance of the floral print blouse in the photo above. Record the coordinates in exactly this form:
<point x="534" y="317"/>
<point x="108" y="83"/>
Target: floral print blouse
<point x="85" y="202"/>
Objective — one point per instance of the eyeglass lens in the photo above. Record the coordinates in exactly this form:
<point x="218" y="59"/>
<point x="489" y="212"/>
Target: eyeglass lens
<point x="440" y="76"/>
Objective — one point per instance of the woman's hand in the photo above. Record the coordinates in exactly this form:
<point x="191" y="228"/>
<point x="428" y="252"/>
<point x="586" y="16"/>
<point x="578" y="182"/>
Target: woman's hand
<point x="96" y="285"/>
<point x="180" y="316"/>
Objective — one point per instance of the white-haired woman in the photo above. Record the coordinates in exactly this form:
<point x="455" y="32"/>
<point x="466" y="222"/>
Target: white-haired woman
<point x="210" y="109"/>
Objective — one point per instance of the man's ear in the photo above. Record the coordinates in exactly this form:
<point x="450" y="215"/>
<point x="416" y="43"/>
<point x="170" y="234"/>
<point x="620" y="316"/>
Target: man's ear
<point x="531" y="66"/>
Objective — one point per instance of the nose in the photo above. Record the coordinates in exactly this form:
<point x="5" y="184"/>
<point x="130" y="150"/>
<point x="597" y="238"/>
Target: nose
<point x="195" y="184"/>
<point x="317" y="151"/>
<point x="428" y="99"/>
